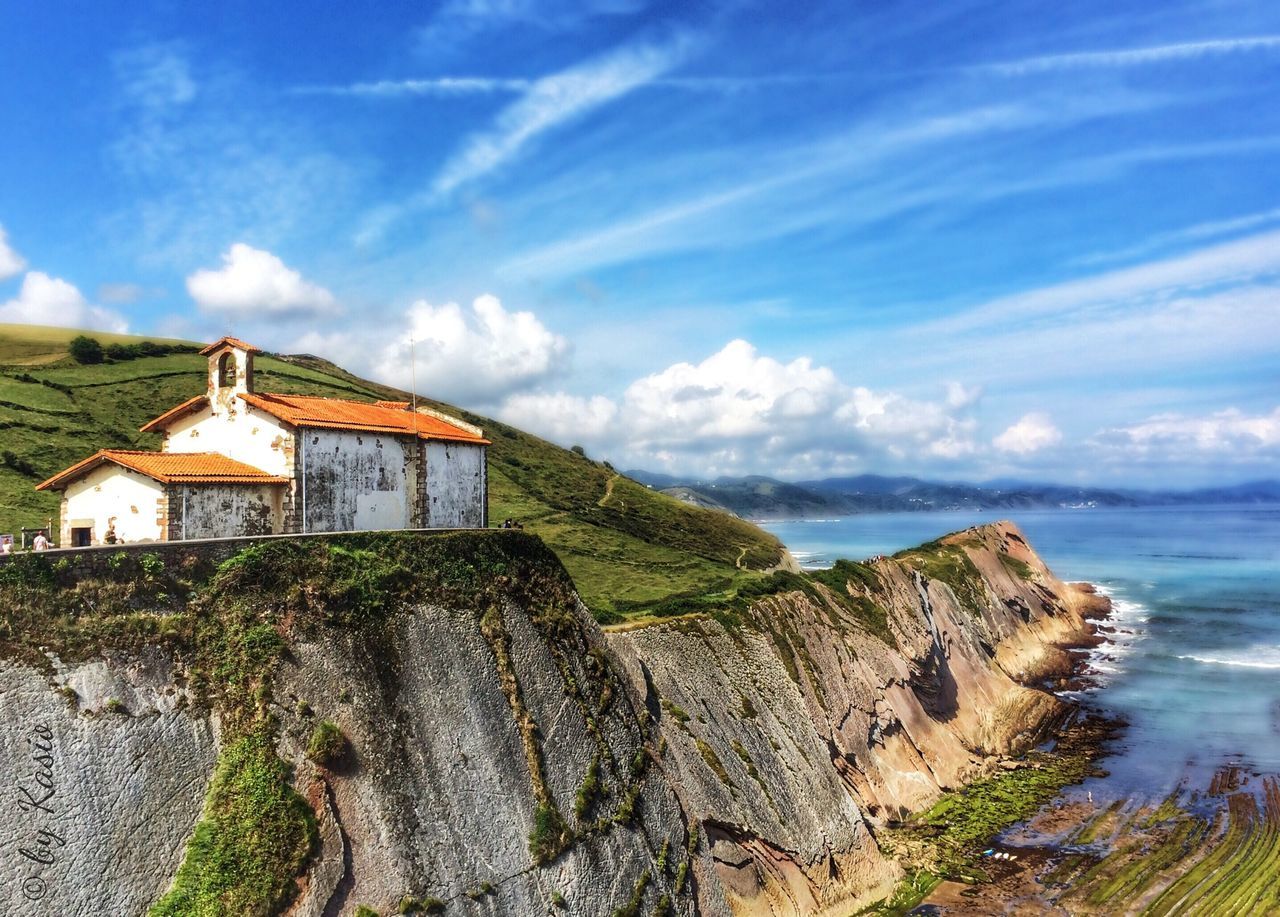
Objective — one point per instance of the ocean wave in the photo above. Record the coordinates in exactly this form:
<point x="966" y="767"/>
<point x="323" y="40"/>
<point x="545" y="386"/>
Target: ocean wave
<point x="1262" y="656"/>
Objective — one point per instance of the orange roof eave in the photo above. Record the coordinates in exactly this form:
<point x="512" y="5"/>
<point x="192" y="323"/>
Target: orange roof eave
<point x="234" y="342"/>
<point x="218" y="469"/>
<point x="186" y="407"/>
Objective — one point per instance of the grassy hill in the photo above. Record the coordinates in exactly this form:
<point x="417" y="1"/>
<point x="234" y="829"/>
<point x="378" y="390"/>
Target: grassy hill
<point x="627" y="547"/>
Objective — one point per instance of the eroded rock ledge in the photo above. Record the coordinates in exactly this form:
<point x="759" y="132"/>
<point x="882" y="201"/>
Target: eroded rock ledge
<point x="498" y="754"/>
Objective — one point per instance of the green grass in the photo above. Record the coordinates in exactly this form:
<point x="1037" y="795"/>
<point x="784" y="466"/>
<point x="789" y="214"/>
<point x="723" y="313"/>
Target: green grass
<point x="256" y="834"/>
<point x="627" y="547"/>
<point x="948" y="562"/>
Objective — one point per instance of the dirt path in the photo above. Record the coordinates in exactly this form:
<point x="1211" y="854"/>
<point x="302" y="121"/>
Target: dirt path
<point x="608" y="490"/>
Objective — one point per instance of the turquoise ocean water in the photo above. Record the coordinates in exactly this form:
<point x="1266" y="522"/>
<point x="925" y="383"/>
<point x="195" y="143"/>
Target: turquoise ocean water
<point x="1194" y="665"/>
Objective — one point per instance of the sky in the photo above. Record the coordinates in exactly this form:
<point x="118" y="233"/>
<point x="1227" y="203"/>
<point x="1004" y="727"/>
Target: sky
<point x="962" y="240"/>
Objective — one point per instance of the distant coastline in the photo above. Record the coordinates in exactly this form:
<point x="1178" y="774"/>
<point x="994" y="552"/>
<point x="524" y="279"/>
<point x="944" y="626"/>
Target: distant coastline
<point x="763" y="499"/>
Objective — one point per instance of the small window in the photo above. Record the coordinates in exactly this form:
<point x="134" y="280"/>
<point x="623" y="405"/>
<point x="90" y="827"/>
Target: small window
<point x="81" y="537"/>
<point x="227" y="369"/>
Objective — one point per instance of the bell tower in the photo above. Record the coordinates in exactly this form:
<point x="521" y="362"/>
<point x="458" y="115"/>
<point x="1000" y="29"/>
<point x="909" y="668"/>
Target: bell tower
<point x="230" y="371"/>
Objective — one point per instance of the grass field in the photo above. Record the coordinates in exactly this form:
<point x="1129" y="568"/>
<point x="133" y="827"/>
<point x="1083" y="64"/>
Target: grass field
<point x="626" y="546"/>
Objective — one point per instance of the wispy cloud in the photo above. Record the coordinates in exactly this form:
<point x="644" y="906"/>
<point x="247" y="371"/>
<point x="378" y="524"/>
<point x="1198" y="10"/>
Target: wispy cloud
<point x="457" y="21"/>
<point x="1132" y="57"/>
<point x="547" y="103"/>
<point x="1217" y="306"/>
<point x="555" y="100"/>
<point x="446" y="87"/>
<point x="437" y="87"/>
<point x="1196" y="233"/>
<point x="1215" y="267"/>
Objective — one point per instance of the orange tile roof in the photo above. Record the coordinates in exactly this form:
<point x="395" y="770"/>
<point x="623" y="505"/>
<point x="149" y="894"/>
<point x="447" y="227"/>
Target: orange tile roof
<point x="234" y="342"/>
<point x="339" y="414"/>
<point x="169" y="468"/>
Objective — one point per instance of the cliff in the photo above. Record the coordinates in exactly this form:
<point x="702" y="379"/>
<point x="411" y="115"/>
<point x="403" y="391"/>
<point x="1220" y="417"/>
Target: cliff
<point x="403" y="721"/>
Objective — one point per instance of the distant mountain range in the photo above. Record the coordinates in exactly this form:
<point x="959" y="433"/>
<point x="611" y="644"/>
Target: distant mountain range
<point x="758" y="497"/>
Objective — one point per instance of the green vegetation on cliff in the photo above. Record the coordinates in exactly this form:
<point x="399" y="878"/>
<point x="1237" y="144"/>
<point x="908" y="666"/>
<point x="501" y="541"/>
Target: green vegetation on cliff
<point x="627" y="547"/>
<point x="229" y="625"/>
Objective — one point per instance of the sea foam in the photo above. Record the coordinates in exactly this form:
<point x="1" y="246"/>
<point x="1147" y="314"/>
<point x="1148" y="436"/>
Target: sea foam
<point x="1259" y="656"/>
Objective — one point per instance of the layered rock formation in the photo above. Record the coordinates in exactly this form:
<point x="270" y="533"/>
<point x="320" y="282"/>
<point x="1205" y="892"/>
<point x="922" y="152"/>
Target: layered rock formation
<point x="498" y="753"/>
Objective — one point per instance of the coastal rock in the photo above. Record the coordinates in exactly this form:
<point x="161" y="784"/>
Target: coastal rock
<point x="716" y="766"/>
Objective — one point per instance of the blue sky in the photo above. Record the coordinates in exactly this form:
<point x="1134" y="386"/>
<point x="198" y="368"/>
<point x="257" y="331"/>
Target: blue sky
<point x="962" y="240"/>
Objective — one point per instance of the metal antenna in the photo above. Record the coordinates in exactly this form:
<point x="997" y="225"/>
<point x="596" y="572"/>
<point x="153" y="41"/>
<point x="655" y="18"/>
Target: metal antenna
<point x="413" y="374"/>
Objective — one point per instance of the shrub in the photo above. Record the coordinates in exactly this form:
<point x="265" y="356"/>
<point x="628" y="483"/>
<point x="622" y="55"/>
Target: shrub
<point x="549" y="836"/>
<point x="327" y="743"/>
<point x="120" y="352"/>
<point x="85" y="349"/>
<point x="115" y="705"/>
<point x="363" y="910"/>
<point x="589" y="791"/>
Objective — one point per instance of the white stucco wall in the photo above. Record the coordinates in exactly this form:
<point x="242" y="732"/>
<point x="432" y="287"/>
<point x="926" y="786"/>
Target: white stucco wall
<point x="242" y="433"/>
<point x="356" y="481"/>
<point x="113" y="493"/>
<point x="226" y="510"/>
<point x="455" y="485"/>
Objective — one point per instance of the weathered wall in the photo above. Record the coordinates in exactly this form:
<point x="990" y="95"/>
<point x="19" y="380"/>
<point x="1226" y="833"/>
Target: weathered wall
<point x="357" y="481"/>
<point x="456" y="490"/>
<point x="109" y="494"/>
<point x="225" y="510"/>
<point x="238" y="431"/>
<point x="98" y="803"/>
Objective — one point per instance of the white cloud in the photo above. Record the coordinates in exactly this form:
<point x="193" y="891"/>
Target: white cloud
<point x="255" y="283"/>
<point x="1130" y="57"/>
<point x="554" y="100"/>
<point x="560" y="417"/>
<point x="1228" y="434"/>
<point x="438" y="87"/>
<point x="45" y="300"/>
<point x="739" y="411"/>
<point x="1031" y="433"/>
<point x="475" y="356"/>
<point x="11" y="263"/>
<point x="121" y="292"/>
<point x="155" y="77"/>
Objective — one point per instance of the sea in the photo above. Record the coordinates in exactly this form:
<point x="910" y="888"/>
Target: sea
<point x="1193" y="665"/>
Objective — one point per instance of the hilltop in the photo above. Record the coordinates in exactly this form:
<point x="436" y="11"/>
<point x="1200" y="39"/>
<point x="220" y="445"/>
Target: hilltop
<point x="627" y="547"/>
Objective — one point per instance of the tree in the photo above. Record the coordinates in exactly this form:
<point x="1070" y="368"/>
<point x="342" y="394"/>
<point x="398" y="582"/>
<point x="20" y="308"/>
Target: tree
<point x="85" y="349"/>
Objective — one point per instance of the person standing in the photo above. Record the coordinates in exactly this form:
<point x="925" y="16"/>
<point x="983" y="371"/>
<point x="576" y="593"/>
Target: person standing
<point x="40" y="542"/>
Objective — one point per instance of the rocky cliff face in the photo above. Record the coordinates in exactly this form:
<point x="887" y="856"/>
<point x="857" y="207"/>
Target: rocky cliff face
<point x="437" y="723"/>
<point x="790" y="729"/>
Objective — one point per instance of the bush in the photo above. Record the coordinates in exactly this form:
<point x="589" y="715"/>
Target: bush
<point x="85" y="349"/>
<point x="121" y="352"/>
<point x="327" y="743"/>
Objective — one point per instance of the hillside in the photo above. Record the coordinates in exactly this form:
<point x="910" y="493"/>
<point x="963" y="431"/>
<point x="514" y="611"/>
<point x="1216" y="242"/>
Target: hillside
<point x="626" y="546"/>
